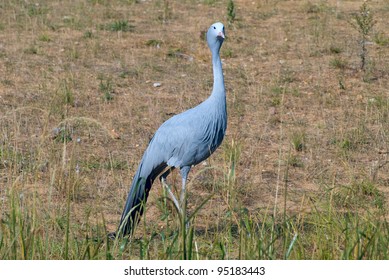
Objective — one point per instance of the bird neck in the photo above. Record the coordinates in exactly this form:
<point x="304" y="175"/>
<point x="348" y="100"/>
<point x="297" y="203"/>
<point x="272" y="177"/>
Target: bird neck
<point x="218" y="79"/>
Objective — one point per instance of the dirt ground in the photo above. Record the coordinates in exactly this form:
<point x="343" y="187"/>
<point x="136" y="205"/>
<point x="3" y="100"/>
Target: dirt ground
<point x="78" y="103"/>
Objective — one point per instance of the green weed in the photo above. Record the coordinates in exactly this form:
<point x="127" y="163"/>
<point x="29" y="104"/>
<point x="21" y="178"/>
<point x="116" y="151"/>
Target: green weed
<point x="298" y="140"/>
<point x="36" y="9"/>
<point x="167" y="13"/>
<point x="364" y="23"/>
<point x="106" y="88"/>
<point x="231" y="13"/>
<point x="335" y="49"/>
<point x="154" y="43"/>
<point x="381" y="39"/>
<point x="338" y="63"/>
<point x="359" y="195"/>
<point x="119" y="25"/>
<point x="44" y="38"/>
<point x="88" y="34"/>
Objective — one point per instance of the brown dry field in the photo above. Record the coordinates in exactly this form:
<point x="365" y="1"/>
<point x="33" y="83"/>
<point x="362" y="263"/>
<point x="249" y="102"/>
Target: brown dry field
<point x="302" y="116"/>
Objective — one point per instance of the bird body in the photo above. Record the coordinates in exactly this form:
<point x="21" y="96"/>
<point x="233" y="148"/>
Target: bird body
<point x="182" y="141"/>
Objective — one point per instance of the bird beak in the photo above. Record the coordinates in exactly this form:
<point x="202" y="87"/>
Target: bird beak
<point x="220" y="35"/>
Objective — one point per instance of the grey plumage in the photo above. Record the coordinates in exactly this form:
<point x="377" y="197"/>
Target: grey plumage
<point x="182" y="141"/>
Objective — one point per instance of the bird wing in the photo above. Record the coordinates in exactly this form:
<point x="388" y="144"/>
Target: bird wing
<point x="187" y="138"/>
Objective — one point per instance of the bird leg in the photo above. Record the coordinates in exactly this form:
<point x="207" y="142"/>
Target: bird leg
<point x="183" y="205"/>
<point x="184" y="175"/>
<point x="183" y="193"/>
<point x="184" y="171"/>
<point x="169" y="191"/>
<point x="179" y="204"/>
<point x="172" y="196"/>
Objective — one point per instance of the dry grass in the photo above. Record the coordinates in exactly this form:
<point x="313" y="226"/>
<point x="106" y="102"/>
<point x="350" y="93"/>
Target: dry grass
<point x="307" y="130"/>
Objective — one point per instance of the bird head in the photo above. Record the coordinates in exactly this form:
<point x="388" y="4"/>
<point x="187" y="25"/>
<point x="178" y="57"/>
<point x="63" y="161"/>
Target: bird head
<point x="215" y="35"/>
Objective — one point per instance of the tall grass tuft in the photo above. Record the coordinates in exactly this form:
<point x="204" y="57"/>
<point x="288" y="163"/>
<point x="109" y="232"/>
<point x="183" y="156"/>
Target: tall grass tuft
<point x="231" y="11"/>
<point x="364" y="23"/>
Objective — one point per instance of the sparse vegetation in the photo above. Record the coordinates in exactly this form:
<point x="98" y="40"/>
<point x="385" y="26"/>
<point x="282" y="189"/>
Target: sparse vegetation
<point x="338" y="63"/>
<point x="119" y="25"/>
<point x="364" y="22"/>
<point x="44" y="38"/>
<point x="302" y="174"/>
<point x="231" y="11"/>
<point x="106" y="88"/>
<point x="298" y="140"/>
<point x="381" y="39"/>
<point x="166" y="13"/>
<point x="88" y="34"/>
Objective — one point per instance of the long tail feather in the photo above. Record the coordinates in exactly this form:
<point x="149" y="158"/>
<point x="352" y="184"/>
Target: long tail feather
<point x="134" y="206"/>
<point x="137" y="197"/>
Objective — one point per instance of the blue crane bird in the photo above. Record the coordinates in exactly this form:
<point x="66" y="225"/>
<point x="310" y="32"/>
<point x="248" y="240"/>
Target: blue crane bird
<point x="181" y="142"/>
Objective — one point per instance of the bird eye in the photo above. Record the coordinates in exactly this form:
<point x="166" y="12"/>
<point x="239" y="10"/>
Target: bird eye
<point x="214" y="27"/>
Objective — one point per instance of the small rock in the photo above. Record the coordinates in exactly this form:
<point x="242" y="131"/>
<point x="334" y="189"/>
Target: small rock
<point x="114" y="134"/>
<point x="156" y="84"/>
